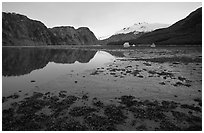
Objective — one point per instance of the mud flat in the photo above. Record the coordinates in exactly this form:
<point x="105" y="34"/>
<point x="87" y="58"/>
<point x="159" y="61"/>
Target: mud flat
<point x="144" y="90"/>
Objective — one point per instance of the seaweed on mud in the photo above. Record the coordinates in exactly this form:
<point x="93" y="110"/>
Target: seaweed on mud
<point x="140" y="76"/>
<point x="163" y="74"/>
<point x="181" y="59"/>
<point x="31" y="106"/>
<point x="114" y="70"/>
<point x="112" y="73"/>
<point x="139" y="113"/>
<point x="166" y="125"/>
<point x="115" y="114"/>
<point x="26" y="114"/>
<point x="85" y="97"/>
<point x="151" y="104"/>
<point x="141" y="127"/>
<point x="128" y="71"/>
<point x="41" y="117"/>
<point x="191" y="107"/>
<point x="152" y="72"/>
<point x="175" y="63"/>
<point x="152" y="110"/>
<point x="128" y="101"/>
<point x="23" y="122"/>
<point x="98" y="103"/>
<point x="58" y="107"/>
<point x="194" y="121"/>
<point x="162" y="83"/>
<point x="149" y="110"/>
<point x="194" y="128"/>
<point x="8" y="113"/>
<point x="167" y="74"/>
<point x="81" y="111"/>
<point x="147" y="64"/>
<point x="64" y="124"/>
<point x="36" y="95"/>
<point x="4" y="99"/>
<point x="61" y="94"/>
<point x="187" y="85"/>
<point x="168" y="105"/>
<point x="54" y="98"/>
<point x="47" y="93"/>
<point x="199" y="101"/>
<point x="95" y="73"/>
<point x="8" y="121"/>
<point x="14" y="96"/>
<point x="180" y="116"/>
<point x="181" y="84"/>
<point x="178" y="84"/>
<point x="155" y="114"/>
<point x="128" y="66"/>
<point x="182" y="78"/>
<point x="99" y="123"/>
<point x="29" y="123"/>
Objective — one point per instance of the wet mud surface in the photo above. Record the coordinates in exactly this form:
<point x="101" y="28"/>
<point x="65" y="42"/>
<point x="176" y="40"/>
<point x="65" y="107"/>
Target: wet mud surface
<point x="45" y="111"/>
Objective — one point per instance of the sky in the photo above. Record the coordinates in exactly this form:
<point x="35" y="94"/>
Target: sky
<point x="102" y="18"/>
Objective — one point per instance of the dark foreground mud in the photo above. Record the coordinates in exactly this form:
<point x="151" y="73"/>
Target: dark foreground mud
<point x="46" y="111"/>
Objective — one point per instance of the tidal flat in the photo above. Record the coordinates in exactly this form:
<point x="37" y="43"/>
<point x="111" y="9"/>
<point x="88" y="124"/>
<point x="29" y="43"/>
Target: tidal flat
<point x="102" y="89"/>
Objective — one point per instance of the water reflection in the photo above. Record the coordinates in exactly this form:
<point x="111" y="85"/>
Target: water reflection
<point x="23" y="65"/>
<point x="20" y="61"/>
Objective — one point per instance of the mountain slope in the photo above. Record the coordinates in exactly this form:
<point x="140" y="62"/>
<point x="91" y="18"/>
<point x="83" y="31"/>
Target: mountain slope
<point x="120" y="38"/>
<point x="19" y="30"/>
<point x="67" y="35"/>
<point x="132" y="32"/>
<point x="186" y="31"/>
<point x="141" y="27"/>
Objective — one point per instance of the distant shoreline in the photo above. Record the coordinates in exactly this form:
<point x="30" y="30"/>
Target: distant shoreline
<point x="101" y="46"/>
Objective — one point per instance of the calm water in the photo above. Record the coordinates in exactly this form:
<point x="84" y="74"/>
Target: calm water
<point x="25" y="68"/>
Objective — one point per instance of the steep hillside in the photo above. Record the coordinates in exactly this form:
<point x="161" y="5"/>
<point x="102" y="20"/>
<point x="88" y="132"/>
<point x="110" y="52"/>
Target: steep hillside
<point x="186" y="31"/>
<point x="120" y="38"/>
<point x="67" y="35"/>
<point x="132" y="32"/>
<point x="19" y="30"/>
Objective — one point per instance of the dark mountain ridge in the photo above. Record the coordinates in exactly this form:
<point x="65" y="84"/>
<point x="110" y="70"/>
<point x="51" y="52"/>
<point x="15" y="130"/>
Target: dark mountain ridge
<point x="187" y="31"/>
<point x="70" y="35"/>
<point x="19" y="30"/>
<point x="120" y="38"/>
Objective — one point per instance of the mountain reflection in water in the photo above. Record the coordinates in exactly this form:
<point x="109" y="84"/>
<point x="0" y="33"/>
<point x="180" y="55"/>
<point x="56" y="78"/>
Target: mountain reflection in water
<point x="20" y="61"/>
<point x="41" y="65"/>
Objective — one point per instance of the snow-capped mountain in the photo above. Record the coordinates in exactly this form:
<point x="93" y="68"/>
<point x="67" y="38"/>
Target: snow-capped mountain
<point x="103" y="37"/>
<point x="142" y="27"/>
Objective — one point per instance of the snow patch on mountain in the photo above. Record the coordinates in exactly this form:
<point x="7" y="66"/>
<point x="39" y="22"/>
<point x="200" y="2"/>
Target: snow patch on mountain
<point x="104" y="37"/>
<point x="142" y="27"/>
